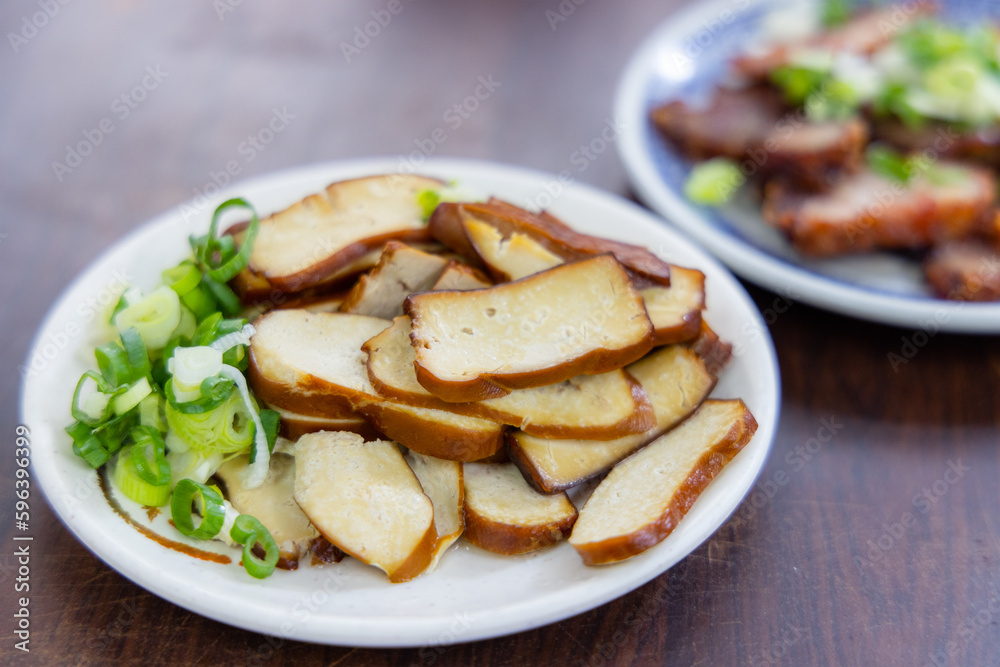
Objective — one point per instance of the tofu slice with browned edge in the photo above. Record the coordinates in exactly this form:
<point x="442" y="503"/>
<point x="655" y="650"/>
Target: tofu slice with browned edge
<point x="674" y="310"/>
<point x="272" y="504"/>
<point x="293" y="426"/>
<point x="311" y="362"/>
<point x="315" y="238"/>
<point x="644" y="497"/>
<point x="506" y="516"/>
<point x="442" y="482"/>
<point x="401" y="270"/>
<point x="676" y="381"/>
<point x="584" y="317"/>
<point x="461" y="276"/>
<point x="447" y="225"/>
<point x="606" y="406"/>
<point x="363" y="497"/>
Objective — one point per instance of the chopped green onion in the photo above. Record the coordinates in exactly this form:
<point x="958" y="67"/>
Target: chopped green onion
<point x="113" y="363"/>
<point x="210" y="506"/>
<point x="889" y="164"/>
<point x="798" y="82"/>
<point x="270" y="420"/>
<point x="182" y="278"/>
<point x="87" y="446"/>
<point x="228" y="301"/>
<point x="216" y="256"/>
<point x="156" y="316"/>
<point x="189" y="463"/>
<point x="428" y="200"/>
<point x="191" y="366"/>
<point x="88" y="413"/>
<point x="200" y="302"/>
<point x="135" y="352"/>
<point x="132" y="396"/>
<point x="260" y="453"/>
<point x="929" y="42"/>
<point x="250" y="532"/>
<point x="836" y="100"/>
<point x="714" y="182"/>
<point x="151" y="412"/>
<point x="186" y="327"/>
<point x="133" y="486"/>
<point x="149" y="444"/>
<point x="836" y="12"/>
<point x="894" y="99"/>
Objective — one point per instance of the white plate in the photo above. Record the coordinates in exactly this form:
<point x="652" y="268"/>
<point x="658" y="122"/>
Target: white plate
<point x="474" y="594"/>
<point x="683" y="59"/>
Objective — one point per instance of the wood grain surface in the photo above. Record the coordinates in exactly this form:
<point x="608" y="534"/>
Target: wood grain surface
<point x="821" y="566"/>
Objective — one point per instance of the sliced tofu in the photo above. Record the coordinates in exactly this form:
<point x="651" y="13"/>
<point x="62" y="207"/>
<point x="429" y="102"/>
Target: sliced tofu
<point x="676" y="381"/>
<point x="460" y="276"/>
<point x="607" y="405"/>
<point x="436" y="433"/>
<point x="293" y="425"/>
<point x="585" y="317"/>
<point x="505" y="515"/>
<point x="645" y="496"/>
<point x="447" y="225"/>
<point x="312" y="240"/>
<point x="715" y="352"/>
<point x="363" y="497"/>
<point x="508" y="258"/>
<point x="674" y="310"/>
<point x="400" y="271"/>
<point x="272" y="504"/>
<point x="311" y="362"/>
<point x="442" y="482"/>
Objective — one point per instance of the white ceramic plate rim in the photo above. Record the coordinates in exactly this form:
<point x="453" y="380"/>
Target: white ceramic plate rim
<point x="465" y="599"/>
<point x="745" y="259"/>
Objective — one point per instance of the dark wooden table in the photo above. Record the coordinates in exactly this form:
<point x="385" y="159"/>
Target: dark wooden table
<point x="881" y="547"/>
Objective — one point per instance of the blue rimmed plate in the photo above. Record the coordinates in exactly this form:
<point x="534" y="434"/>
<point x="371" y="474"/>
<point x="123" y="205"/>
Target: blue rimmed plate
<point x="684" y="58"/>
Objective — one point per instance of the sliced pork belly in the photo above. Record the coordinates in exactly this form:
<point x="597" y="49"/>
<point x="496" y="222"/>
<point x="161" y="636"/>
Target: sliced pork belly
<point x="865" y="211"/>
<point x="754" y="127"/>
<point x="980" y="145"/>
<point x="965" y="271"/>
<point x="733" y="121"/>
<point x="862" y="34"/>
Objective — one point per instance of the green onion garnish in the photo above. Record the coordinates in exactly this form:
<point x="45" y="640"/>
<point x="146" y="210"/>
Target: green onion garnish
<point x="428" y="200"/>
<point x="250" y="532"/>
<point x="218" y="257"/>
<point x="209" y="501"/>
<point x="714" y="182"/>
<point x="836" y="12"/>
<point x="889" y="164"/>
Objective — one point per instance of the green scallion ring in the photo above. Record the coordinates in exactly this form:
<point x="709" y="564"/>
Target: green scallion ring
<point x="213" y="513"/>
<point x="249" y="532"/>
<point x="182" y="278"/>
<point x="156" y="472"/>
<point x="227" y="269"/>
